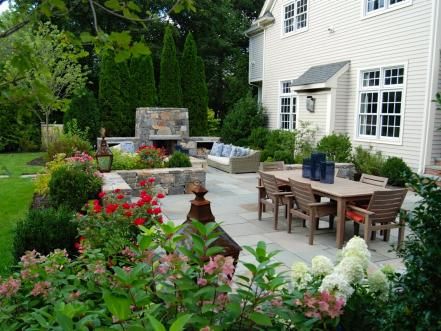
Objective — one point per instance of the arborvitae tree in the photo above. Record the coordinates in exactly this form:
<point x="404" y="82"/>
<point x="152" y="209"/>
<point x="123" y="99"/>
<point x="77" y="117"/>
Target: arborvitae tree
<point x="142" y="81"/>
<point x="170" y="93"/>
<point x="117" y="115"/>
<point x="194" y="89"/>
<point x="84" y="108"/>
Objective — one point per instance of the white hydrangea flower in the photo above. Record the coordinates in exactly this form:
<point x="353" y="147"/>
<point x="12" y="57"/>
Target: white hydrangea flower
<point x="379" y="284"/>
<point x="321" y="266"/>
<point x="352" y="268"/>
<point x="300" y="275"/>
<point x="337" y="285"/>
<point x="357" y="247"/>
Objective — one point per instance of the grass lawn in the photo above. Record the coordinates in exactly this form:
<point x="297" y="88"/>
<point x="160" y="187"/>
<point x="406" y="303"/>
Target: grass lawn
<point x="15" y="198"/>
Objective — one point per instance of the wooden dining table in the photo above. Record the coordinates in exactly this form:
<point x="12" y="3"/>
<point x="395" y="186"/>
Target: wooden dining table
<point x="342" y="191"/>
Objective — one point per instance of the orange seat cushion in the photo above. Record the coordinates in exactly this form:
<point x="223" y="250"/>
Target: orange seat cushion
<point x="353" y="215"/>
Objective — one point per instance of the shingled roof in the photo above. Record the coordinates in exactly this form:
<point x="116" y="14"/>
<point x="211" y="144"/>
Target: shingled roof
<point x="319" y="74"/>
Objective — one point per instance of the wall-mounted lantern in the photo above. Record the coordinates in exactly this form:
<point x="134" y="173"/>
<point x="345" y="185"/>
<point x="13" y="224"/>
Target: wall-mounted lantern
<point x="310" y="104"/>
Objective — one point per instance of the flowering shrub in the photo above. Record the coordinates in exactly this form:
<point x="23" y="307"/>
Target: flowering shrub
<point x="115" y="218"/>
<point x="151" y="156"/>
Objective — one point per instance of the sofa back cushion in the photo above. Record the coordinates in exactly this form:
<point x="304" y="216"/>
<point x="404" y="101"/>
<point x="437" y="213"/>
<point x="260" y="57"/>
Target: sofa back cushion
<point x="226" y="151"/>
<point x="216" y="150"/>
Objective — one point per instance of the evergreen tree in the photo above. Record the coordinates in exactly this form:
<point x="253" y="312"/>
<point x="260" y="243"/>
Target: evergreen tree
<point x="117" y="115"/>
<point x="170" y="93"/>
<point x="84" y="108"/>
<point x="142" y="81"/>
<point x="194" y="90"/>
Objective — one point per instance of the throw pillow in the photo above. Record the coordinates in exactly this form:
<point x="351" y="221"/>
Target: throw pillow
<point x="214" y="148"/>
<point x="219" y="149"/>
<point x="226" y="151"/>
<point x="234" y="151"/>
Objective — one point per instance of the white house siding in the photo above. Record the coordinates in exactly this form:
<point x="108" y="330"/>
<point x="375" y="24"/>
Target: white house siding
<point x="436" y="143"/>
<point x="342" y="112"/>
<point x="319" y="116"/>
<point x="395" y="37"/>
<point x="256" y="57"/>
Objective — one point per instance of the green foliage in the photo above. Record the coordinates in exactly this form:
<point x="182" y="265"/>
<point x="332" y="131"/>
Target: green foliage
<point x="117" y="116"/>
<point x="179" y="160"/>
<point x="258" y="138"/>
<point x="396" y="170"/>
<point x="45" y="230"/>
<point x="305" y="140"/>
<point x="415" y="303"/>
<point x="151" y="157"/>
<point x="126" y="161"/>
<point x="337" y="147"/>
<point x="84" y="109"/>
<point x="170" y="92"/>
<point x="69" y="145"/>
<point x="72" y="185"/>
<point x="194" y="89"/>
<point x="368" y="162"/>
<point x="142" y="82"/>
<point x="43" y="178"/>
<point x="280" y="146"/>
<point x="238" y="124"/>
<point x="213" y="124"/>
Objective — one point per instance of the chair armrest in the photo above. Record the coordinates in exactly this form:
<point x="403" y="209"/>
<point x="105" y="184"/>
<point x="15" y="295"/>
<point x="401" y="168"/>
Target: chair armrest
<point x="318" y="204"/>
<point x="260" y="187"/>
<point x="282" y="193"/>
<point x="360" y="210"/>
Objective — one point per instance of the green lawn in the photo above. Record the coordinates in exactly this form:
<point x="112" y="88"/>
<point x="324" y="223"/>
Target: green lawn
<point x="15" y="198"/>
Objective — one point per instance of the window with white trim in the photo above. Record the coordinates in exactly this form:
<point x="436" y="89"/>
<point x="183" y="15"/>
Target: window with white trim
<point x="295" y="16"/>
<point x="288" y="105"/>
<point x="381" y="102"/>
<point x="371" y="6"/>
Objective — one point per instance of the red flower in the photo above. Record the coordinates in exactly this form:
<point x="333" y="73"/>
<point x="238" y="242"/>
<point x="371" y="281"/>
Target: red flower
<point x="157" y="211"/>
<point x="111" y="208"/>
<point x="126" y="205"/>
<point x="143" y="183"/>
<point x="140" y="203"/>
<point x="128" y="213"/>
<point x="139" y="221"/>
<point x="101" y="195"/>
<point x="160" y="220"/>
<point x="120" y="196"/>
<point x="154" y="203"/>
<point x="146" y="198"/>
<point x="150" y="211"/>
<point x="117" y="190"/>
<point x="96" y="202"/>
<point x="160" y="196"/>
<point x="151" y="179"/>
<point x="97" y="208"/>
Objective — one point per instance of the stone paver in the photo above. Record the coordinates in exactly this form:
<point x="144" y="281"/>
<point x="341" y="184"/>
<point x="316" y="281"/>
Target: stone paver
<point x="234" y="202"/>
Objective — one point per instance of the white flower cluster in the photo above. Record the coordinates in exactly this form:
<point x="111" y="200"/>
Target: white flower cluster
<point x="357" y="247"/>
<point x="300" y="275"/>
<point x="321" y="266"/>
<point x="351" y="267"/>
<point x="379" y="284"/>
<point x="337" y="285"/>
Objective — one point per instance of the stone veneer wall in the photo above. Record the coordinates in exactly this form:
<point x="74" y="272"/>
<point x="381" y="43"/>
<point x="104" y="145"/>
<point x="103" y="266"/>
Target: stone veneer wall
<point x="152" y="121"/>
<point x="172" y="180"/>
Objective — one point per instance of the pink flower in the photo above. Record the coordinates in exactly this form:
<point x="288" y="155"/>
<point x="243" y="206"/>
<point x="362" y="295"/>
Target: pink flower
<point x="10" y="287"/>
<point x="210" y="267"/>
<point x="74" y="295"/>
<point x="41" y="288"/>
<point x="202" y="281"/>
<point x="99" y="269"/>
<point x="206" y="328"/>
<point x="127" y="269"/>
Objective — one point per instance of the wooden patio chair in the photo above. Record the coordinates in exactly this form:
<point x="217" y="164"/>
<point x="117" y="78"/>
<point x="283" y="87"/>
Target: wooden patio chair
<point x="271" y="166"/>
<point x="373" y="180"/>
<point x="380" y="214"/>
<point x="271" y="195"/>
<point x="307" y="207"/>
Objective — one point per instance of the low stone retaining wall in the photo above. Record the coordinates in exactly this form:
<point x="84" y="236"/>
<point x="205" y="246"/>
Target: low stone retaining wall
<point x="344" y="170"/>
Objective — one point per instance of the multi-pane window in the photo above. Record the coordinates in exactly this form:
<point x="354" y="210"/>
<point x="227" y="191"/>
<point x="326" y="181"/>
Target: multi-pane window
<point x="381" y="98"/>
<point x="295" y="16"/>
<point x="375" y="5"/>
<point x="287" y="107"/>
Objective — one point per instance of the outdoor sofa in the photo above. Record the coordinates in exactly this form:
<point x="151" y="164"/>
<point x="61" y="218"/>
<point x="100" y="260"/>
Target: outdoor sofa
<point x="235" y="164"/>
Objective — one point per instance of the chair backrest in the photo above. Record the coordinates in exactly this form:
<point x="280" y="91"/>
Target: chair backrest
<point x="374" y="180"/>
<point x="386" y="204"/>
<point x="302" y="194"/>
<point x="269" y="182"/>
<point x="272" y="166"/>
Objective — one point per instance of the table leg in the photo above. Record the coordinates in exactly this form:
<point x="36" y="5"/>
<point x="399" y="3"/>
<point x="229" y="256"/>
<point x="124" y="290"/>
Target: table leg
<point x="341" y="209"/>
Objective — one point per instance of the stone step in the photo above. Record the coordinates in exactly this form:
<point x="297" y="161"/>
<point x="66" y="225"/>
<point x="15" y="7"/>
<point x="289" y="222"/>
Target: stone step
<point x="434" y="170"/>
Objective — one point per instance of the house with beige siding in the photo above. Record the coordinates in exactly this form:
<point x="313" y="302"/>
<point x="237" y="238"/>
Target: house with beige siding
<point x="367" y="68"/>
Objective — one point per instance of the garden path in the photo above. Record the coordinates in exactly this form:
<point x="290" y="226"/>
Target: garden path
<point x="234" y="204"/>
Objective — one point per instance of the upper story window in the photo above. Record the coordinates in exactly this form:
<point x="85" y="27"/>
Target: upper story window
<point x="378" y="6"/>
<point x="295" y="16"/>
<point x="381" y="102"/>
<point x="288" y="107"/>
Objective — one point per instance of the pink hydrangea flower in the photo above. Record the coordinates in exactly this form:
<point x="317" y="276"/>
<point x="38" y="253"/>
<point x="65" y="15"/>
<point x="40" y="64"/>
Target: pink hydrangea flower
<point x="202" y="282"/>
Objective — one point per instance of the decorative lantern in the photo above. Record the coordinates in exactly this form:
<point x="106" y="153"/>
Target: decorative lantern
<point x="327" y="172"/>
<point x="201" y="211"/>
<point x="306" y="168"/>
<point x="316" y="158"/>
<point x="104" y="156"/>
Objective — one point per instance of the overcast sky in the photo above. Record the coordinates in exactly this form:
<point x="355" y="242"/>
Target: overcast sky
<point x="4" y="6"/>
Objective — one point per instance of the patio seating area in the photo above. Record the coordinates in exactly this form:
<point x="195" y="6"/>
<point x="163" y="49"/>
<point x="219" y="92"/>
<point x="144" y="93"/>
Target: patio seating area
<point x="234" y="204"/>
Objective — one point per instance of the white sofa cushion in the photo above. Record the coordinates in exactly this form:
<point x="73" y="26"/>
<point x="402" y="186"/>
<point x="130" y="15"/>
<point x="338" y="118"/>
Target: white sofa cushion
<point x="219" y="159"/>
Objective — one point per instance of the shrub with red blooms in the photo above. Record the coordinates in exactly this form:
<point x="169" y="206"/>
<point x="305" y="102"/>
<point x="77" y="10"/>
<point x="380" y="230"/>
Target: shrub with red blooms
<point x="151" y="156"/>
<point x="112" y="217"/>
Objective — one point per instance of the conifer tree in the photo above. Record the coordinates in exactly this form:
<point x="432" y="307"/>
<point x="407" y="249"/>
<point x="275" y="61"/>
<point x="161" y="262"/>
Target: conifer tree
<point x="142" y="81"/>
<point x="117" y="115"/>
<point x="170" y="93"/>
<point x="194" y="89"/>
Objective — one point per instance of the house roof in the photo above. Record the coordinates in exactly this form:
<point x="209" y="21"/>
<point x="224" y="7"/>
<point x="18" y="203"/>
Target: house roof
<point x="259" y="24"/>
<point x="319" y="74"/>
